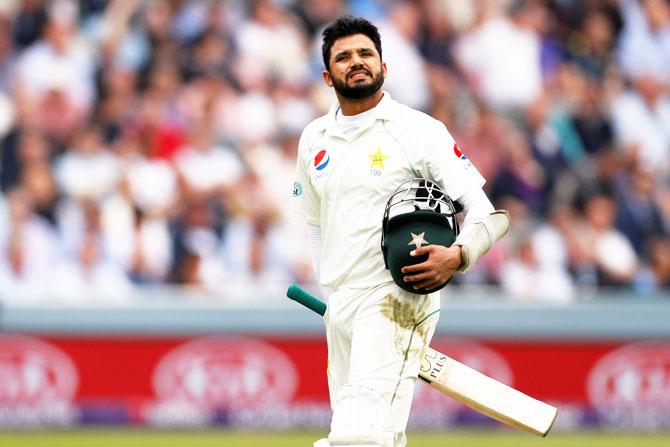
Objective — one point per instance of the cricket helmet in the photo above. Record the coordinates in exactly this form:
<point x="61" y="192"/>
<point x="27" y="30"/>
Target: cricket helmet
<point x="418" y="213"/>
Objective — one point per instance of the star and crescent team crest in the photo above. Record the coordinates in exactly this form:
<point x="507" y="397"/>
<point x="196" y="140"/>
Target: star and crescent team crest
<point x="418" y="239"/>
<point x="377" y="164"/>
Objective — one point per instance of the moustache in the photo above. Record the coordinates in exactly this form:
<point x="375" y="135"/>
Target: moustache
<point x="358" y="69"/>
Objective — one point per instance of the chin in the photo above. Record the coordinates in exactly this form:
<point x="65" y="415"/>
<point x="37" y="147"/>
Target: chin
<point x="360" y="85"/>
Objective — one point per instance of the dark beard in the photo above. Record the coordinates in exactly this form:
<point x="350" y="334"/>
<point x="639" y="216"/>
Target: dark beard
<point x="359" y="91"/>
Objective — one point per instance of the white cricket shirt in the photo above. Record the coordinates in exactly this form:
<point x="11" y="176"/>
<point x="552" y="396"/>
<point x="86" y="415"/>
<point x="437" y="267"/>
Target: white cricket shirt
<point x="342" y="183"/>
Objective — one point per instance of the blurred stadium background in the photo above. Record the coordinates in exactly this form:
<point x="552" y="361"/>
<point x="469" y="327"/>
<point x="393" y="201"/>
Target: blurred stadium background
<point x="146" y="159"/>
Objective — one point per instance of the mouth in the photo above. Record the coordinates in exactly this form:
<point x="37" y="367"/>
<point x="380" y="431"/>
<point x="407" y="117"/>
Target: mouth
<point x="358" y="75"/>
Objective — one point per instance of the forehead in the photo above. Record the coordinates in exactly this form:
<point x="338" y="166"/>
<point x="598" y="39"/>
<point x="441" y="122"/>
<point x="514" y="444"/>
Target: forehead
<point x="353" y="42"/>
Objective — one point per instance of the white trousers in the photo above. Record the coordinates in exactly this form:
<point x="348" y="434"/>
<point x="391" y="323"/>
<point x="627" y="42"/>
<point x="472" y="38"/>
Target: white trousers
<point x="375" y="340"/>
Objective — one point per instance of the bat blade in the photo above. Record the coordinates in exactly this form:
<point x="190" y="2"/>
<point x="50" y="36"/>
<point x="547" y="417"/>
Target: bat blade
<point x="486" y="395"/>
<point x="467" y="385"/>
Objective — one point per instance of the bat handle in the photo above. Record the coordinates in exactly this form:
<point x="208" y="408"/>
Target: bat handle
<point x="299" y="295"/>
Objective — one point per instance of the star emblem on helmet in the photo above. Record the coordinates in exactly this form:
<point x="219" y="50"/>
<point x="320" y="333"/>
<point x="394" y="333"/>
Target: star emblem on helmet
<point x="378" y="158"/>
<point x="418" y="239"/>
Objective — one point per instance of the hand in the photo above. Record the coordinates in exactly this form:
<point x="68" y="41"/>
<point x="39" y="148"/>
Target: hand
<point x="441" y="264"/>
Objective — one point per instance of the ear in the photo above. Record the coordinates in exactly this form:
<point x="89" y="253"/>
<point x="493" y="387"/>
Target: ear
<point x="328" y="79"/>
<point x="384" y="69"/>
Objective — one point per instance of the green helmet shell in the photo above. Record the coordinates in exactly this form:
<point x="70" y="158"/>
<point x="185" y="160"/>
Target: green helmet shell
<point x="417" y="214"/>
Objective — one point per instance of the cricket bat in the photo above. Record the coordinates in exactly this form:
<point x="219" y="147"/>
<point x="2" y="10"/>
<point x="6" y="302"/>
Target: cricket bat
<point x="468" y="386"/>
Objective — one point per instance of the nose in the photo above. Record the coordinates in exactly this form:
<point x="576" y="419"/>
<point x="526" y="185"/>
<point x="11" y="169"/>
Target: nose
<point x="356" y="59"/>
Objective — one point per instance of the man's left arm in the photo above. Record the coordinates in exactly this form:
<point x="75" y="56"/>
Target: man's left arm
<point x="472" y="242"/>
<point x="483" y="226"/>
<point x="444" y="162"/>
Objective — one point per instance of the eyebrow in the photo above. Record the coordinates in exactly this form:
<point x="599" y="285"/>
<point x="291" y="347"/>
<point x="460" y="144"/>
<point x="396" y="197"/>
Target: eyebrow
<point x="360" y="50"/>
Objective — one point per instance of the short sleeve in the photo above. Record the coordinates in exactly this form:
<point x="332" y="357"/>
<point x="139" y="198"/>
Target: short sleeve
<point x="305" y="201"/>
<point x="446" y="164"/>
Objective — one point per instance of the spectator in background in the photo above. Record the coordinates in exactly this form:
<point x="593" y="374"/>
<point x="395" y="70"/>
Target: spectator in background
<point x="88" y="169"/>
<point x="251" y="249"/>
<point x="590" y="118"/>
<point x="20" y="282"/>
<point x="55" y="75"/>
<point x="7" y="60"/>
<point x="38" y="180"/>
<point x="554" y="142"/>
<point x="641" y="115"/>
<point x="538" y="269"/>
<point x="209" y="56"/>
<point x="271" y="41"/>
<point x="639" y="216"/>
<point x="192" y="20"/>
<point x="116" y="112"/>
<point x="501" y="56"/>
<point x="601" y="244"/>
<point x="157" y="18"/>
<point x="641" y="121"/>
<point x="197" y="242"/>
<point x="436" y="37"/>
<point x="522" y="176"/>
<point x="136" y="216"/>
<point x="208" y="171"/>
<point x="644" y="45"/>
<point x="655" y="276"/>
<point x="151" y="183"/>
<point x="22" y="148"/>
<point x="151" y="245"/>
<point x="592" y="46"/>
<point x="568" y="223"/>
<point x="526" y="276"/>
<point x="30" y="241"/>
<point x="89" y="278"/>
<point x="293" y="109"/>
<point x="122" y="44"/>
<point x="284" y="234"/>
<point x="160" y="119"/>
<point x="401" y="54"/>
<point x="249" y="117"/>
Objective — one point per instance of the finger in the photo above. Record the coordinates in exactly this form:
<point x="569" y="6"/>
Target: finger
<point x="432" y="282"/>
<point x="420" y="267"/>
<point x="417" y="277"/>
<point x="421" y="251"/>
<point x="427" y="284"/>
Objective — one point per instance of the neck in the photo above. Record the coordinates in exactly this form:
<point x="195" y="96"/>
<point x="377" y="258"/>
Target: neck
<point x="350" y="106"/>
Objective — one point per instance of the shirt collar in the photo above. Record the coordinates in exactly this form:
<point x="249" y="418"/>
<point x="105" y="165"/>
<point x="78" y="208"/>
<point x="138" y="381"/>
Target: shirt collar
<point x="385" y="110"/>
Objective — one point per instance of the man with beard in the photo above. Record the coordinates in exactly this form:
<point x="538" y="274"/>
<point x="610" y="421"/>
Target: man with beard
<point x="349" y="162"/>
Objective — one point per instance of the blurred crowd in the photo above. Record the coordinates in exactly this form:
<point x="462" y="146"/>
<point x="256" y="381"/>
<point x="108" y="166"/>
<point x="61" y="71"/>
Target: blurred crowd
<point x="149" y="142"/>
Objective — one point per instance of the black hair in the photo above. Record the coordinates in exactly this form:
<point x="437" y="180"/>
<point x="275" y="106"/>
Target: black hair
<point x="345" y="26"/>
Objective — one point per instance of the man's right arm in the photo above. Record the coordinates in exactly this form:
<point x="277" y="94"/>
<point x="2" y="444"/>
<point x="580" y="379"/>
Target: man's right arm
<point x="305" y="201"/>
